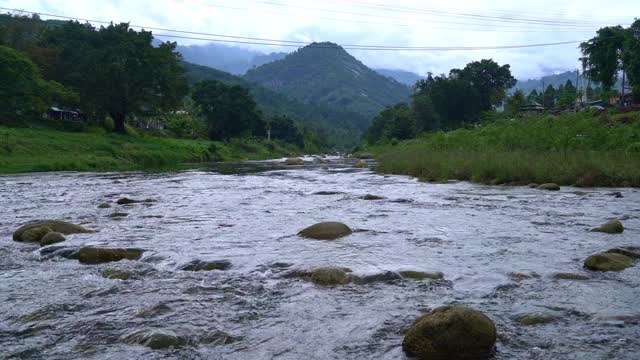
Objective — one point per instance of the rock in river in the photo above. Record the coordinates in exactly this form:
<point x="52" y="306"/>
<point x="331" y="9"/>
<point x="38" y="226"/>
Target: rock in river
<point x="382" y="277"/>
<point x="53" y="225"/>
<point x="362" y="164"/>
<point x="91" y="255"/>
<point x="549" y="186"/>
<point x="155" y="339"/>
<point x="419" y="275"/>
<point x="35" y="234"/>
<point x="570" y="276"/>
<point x="199" y="265"/>
<point x="326" y="231"/>
<point x="608" y="262"/>
<point x="451" y="332"/>
<point x="330" y="276"/>
<point x="116" y="274"/>
<point x="372" y="197"/>
<point x="104" y="206"/>
<point x="52" y="238"/>
<point x="126" y="201"/>
<point x="612" y="227"/>
<point x="294" y="162"/>
<point x="535" y="319"/>
<point x="630" y="251"/>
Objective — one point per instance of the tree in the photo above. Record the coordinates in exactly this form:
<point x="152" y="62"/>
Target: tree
<point x="397" y="122"/>
<point x="603" y="55"/>
<point x="489" y="79"/>
<point x="283" y="128"/>
<point x="515" y="102"/>
<point x="631" y="57"/>
<point x="534" y="96"/>
<point x="23" y="91"/>
<point x="549" y="97"/>
<point x="117" y="70"/>
<point x="229" y="111"/>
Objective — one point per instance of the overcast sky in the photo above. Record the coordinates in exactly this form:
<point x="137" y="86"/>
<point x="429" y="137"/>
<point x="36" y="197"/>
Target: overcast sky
<point x="379" y="22"/>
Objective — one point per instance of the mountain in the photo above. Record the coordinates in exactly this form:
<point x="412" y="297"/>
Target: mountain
<point x="325" y="74"/>
<point x="233" y="60"/>
<point x="343" y="127"/>
<point x="405" y="77"/>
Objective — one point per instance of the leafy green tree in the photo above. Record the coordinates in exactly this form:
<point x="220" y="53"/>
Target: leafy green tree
<point x="534" y="96"/>
<point x="397" y="122"/>
<point x="603" y="55"/>
<point x="283" y="128"/>
<point x="489" y="79"/>
<point x="229" y="111"/>
<point x="23" y="91"/>
<point x="549" y="97"/>
<point x="515" y="102"/>
<point x="427" y="118"/>
<point x="456" y="100"/>
<point x="631" y="57"/>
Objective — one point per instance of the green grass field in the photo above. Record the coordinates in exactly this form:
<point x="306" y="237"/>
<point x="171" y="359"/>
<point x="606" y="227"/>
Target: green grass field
<point x="37" y="148"/>
<point x="574" y="149"/>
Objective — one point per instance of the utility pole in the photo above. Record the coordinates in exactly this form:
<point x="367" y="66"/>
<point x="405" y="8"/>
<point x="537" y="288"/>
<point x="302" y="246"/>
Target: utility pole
<point x="622" y="97"/>
<point x="576" y="105"/>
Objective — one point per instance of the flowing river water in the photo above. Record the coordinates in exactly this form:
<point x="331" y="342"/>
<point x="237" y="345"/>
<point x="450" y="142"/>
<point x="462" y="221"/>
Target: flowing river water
<point x="484" y="239"/>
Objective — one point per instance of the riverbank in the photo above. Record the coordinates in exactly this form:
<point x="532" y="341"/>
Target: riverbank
<point x="38" y="149"/>
<point x="573" y="149"/>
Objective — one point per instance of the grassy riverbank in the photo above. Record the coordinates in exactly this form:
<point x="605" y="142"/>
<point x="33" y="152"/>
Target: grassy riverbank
<point x="36" y="148"/>
<point x="574" y="149"/>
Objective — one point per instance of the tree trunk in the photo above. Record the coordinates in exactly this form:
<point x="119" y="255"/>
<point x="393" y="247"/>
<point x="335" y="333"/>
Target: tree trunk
<point x="118" y="123"/>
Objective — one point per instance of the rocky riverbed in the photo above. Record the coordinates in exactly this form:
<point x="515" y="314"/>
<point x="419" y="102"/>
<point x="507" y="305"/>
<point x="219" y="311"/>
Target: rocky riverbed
<point x="221" y="269"/>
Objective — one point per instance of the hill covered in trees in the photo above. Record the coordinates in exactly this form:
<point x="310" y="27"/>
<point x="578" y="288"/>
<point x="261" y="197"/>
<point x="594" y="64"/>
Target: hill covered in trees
<point x="325" y="74"/>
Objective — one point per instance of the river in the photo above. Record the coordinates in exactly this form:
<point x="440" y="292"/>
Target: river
<point x="249" y="214"/>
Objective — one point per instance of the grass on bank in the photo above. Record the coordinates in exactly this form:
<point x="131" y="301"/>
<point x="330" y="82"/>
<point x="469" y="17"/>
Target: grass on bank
<point x="572" y="149"/>
<point x="40" y="148"/>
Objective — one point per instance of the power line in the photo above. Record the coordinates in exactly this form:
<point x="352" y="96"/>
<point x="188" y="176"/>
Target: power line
<point x="291" y="43"/>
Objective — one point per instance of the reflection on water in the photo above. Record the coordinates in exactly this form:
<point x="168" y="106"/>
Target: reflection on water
<point x="248" y="213"/>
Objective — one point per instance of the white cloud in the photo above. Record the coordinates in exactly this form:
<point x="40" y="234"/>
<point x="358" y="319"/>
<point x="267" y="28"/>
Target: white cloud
<point x="364" y="23"/>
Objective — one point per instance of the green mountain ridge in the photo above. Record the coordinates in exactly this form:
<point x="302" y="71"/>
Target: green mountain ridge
<point x="324" y="73"/>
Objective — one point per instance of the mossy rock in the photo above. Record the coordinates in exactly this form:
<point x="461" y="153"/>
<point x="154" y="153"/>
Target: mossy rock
<point x="329" y="276"/>
<point x="199" y="265"/>
<point x="419" y="275"/>
<point x="611" y="227"/>
<point x="155" y="339"/>
<point x="382" y="277"/>
<point x="116" y="274"/>
<point x="118" y="215"/>
<point x="36" y="234"/>
<point x="549" y="187"/>
<point x="362" y="164"/>
<point x="52" y="238"/>
<point x="91" y="255"/>
<point x="104" y="206"/>
<point x="570" y="276"/>
<point x="54" y="225"/>
<point x="608" y="262"/>
<point x="535" y="319"/>
<point x="629" y="251"/>
<point x="326" y="231"/>
<point x="533" y="185"/>
<point x="451" y="332"/>
<point x="294" y="162"/>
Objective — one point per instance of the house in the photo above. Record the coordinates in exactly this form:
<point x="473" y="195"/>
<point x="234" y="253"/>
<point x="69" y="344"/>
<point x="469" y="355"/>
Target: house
<point x="532" y="108"/>
<point x="55" y="113"/>
<point x="615" y="99"/>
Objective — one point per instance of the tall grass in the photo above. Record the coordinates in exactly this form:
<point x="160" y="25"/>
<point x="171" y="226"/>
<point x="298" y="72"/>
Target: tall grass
<point x="574" y="149"/>
<point x="37" y="149"/>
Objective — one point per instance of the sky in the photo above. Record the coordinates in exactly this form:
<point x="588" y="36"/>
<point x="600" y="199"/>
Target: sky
<point x="399" y="23"/>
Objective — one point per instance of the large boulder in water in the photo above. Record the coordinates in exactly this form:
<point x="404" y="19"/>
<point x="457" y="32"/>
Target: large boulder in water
<point x="52" y="238"/>
<point x="451" y="332"/>
<point x="549" y="186"/>
<point x="326" y="231"/>
<point x="91" y="255"/>
<point x="362" y="164"/>
<point x="330" y="276"/>
<point x="608" y="262"/>
<point x="611" y="227"/>
<point x="35" y="234"/>
<point x="54" y="225"/>
<point x="294" y="162"/>
<point x="199" y="265"/>
<point x="630" y="251"/>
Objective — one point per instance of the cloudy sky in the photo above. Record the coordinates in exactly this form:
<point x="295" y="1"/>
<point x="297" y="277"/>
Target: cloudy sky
<point x="399" y="23"/>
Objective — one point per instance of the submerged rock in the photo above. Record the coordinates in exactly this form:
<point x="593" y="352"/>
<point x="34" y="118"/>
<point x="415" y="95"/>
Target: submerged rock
<point x="159" y="309"/>
<point x="549" y="186"/>
<point x="104" y="206"/>
<point x="419" y="275"/>
<point x="372" y="197"/>
<point x="535" y="319"/>
<point x="67" y="252"/>
<point x="329" y="276"/>
<point x="451" y="332"/>
<point x="608" y="262"/>
<point x="570" y="276"/>
<point x="294" y="162"/>
<point x="117" y="215"/>
<point x="126" y="201"/>
<point x="383" y="277"/>
<point x="326" y="231"/>
<point x="217" y="338"/>
<point x="362" y="164"/>
<point x="616" y="194"/>
<point x="54" y="225"/>
<point x="116" y="274"/>
<point x="611" y="227"/>
<point x="91" y="255"/>
<point x="199" y="265"/>
<point x="533" y="185"/>
<point x="629" y="251"/>
<point x="326" y="193"/>
<point x="155" y="339"/>
<point x="52" y="238"/>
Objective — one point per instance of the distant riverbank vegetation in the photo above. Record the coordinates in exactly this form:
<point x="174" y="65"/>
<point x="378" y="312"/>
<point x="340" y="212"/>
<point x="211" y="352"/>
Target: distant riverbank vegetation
<point x="464" y="126"/>
<point x="58" y="76"/>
